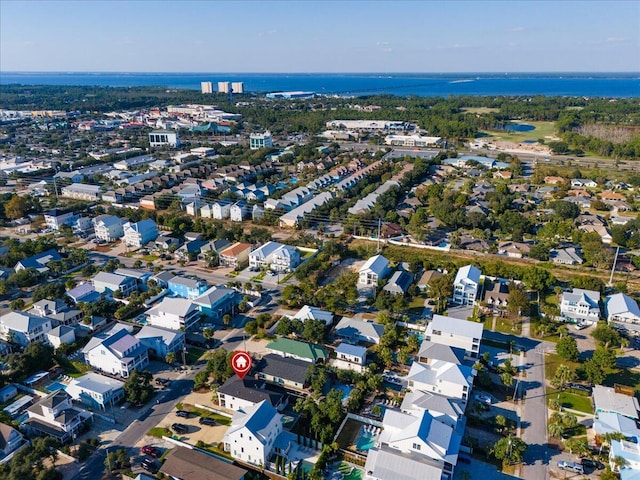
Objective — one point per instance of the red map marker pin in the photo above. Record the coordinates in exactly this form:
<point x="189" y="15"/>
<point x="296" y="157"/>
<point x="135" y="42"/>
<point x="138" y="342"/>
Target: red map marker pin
<point x="241" y="363"/>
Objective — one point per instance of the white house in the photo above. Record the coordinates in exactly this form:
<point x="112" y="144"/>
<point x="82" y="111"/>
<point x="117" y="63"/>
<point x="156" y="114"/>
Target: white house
<point x="252" y="434"/>
<point x="221" y="210"/>
<point x="580" y="305"/>
<point x="105" y="282"/>
<point x="140" y="233"/>
<point x="10" y="440"/>
<point x="55" y="416"/>
<point x="62" y="334"/>
<point x="243" y="393"/>
<point x="24" y="327"/>
<point x="55" y="218"/>
<point x="455" y="332"/>
<point x="466" y="285"/>
<point x="95" y="390"/>
<point x="630" y="453"/>
<point x="350" y="357"/>
<point x="108" y="227"/>
<point x="314" y="313"/>
<point x="355" y="331"/>
<point x="117" y="352"/>
<point x="57" y="311"/>
<point x="413" y="446"/>
<point x="174" y="314"/>
<point x="238" y="211"/>
<point x="81" y="191"/>
<point x="374" y="270"/>
<point x="442" y="377"/>
<point x="161" y="341"/>
<point x="276" y="256"/>
<point x="622" y="312"/>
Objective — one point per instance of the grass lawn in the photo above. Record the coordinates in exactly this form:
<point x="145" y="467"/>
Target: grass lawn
<point x="416" y="306"/>
<point x="542" y="129"/>
<point x="71" y="367"/>
<point x="488" y="323"/>
<point x="574" y="401"/>
<point x="551" y="362"/>
<point x="507" y="326"/>
<point x="221" y="419"/>
<point x="159" y="432"/>
<point x="480" y="110"/>
<point x="194" y="354"/>
<point x="149" y="258"/>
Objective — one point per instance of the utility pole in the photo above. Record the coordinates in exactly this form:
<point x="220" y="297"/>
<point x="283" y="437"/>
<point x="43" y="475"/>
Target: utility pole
<point x="615" y="260"/>
<point x="379" y="229"/>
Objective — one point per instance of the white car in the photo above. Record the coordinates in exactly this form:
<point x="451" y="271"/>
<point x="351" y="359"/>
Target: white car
<point x="483" y="399"/>
<point x="580" y="326"/>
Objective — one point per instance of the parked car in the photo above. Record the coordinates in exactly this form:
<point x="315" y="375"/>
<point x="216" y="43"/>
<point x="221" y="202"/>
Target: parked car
<point x="182" y="413"/>
<point x="150" y="465"/>
<point x="207" y="421"/>
<point x="587" y="462"/>
<point x="580" y="326"/>
<point x="483" y="398"/>
<point x="571" y="466"/>
<point x="151" y="451"/>
<point x="180" y="428"/>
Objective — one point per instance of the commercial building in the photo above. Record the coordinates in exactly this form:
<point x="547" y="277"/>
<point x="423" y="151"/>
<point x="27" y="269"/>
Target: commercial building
<point x="224" y="87"/>
<point x="81" y="191"/>
<point x="161" y="138"/>
<point x="238" y="87"/>
<point x="206" y="87"/>
<point x="260" y="140"/>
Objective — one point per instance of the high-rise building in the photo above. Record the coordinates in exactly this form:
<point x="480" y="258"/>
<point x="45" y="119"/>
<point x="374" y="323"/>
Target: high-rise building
<point x="206" y="87"/>
<point x="238" y="87"/>
<point x="224" y="87"/>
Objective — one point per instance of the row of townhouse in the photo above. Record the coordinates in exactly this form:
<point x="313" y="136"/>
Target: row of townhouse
<point x="425" y="434"/>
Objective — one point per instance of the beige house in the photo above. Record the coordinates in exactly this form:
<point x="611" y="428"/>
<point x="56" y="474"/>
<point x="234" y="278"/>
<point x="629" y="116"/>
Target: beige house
<point x="236" y="255"/>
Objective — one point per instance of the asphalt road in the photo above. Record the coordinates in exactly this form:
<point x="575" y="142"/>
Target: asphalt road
<point x="94" y="467"/>
<point x="534" y="409"/>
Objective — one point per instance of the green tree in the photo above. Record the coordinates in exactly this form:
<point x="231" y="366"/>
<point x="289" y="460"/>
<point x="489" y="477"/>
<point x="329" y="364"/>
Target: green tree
<point x="564" y="374"/>
<point x="567" y="348"/>
<point x="593" y="372"/>
<point x="314" y="331"/>
<point x="509" y="449"/>
<point x="138" y="388"/>
<point x="507" y="379"/>
<point x="170" y="358"/>
<point x="556" y="430"/>
<point x="251" y="327"/>
<point x="208" y="333"/>
<point x="441" y="289"/>
<point x="200" y="380"/>
<point x="17" y="304"/>
<point x="518" y="302"/>
<point x="604" y="357"/>
<point x="606" y="336"/>
<point x="501" y="422"/>
<point x="16" y="207"/>
<point x="577" y="446"/>
<point x="537" y="278"/>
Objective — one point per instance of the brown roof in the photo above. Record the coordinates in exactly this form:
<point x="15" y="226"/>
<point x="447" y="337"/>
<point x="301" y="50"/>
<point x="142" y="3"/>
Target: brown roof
<point x="188" y="464"/>
<point x="428" y="276"/>
<point x="235" y="249"/>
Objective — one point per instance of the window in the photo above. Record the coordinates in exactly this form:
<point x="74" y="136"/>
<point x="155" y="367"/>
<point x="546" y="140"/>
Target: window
<point x="416" y="446"/>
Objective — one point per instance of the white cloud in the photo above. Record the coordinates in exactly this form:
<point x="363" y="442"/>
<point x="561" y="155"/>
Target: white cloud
<point x="615" y="39"/>
<point x="516" y="29"/>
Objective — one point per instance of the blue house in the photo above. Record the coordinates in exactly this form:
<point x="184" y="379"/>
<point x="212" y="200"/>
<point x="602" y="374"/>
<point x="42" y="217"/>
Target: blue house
<point x="185" y="287"/>
<point x="216" y="302"/>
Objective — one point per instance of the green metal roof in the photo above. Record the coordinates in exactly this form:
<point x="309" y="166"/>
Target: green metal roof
<point x="298" y="349"/>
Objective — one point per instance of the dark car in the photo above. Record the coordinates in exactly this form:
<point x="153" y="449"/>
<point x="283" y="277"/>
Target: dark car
<point x="179" y="428"/>
<point x="150" y="465"/>
<point x="588" y="463"/>
<point x="182" y="413"/>
<point x="207" y="421"/>
<point x="151" y="451"/>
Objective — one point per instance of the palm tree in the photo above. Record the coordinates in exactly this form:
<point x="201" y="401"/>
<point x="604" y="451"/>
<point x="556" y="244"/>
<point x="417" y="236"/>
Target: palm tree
<point x="564" y="374"/>
<point x="556" y="430"/>
<point x="618" y="463"/>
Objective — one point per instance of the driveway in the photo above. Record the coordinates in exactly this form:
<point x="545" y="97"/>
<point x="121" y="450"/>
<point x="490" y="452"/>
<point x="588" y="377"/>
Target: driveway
<point x="477" y="470"/>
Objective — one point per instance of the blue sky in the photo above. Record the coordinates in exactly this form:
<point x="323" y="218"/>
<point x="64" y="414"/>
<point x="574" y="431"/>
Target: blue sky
<point x="330" y="36"/>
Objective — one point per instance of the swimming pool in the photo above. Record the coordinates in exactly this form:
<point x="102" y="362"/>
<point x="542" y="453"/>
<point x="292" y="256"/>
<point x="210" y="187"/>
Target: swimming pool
<point x="366" y="440"/>
<point x="346" y="391"/>
<point x="52" y="387"/>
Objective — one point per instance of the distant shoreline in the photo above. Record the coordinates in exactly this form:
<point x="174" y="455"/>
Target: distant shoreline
<point x="569" y="84"/>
